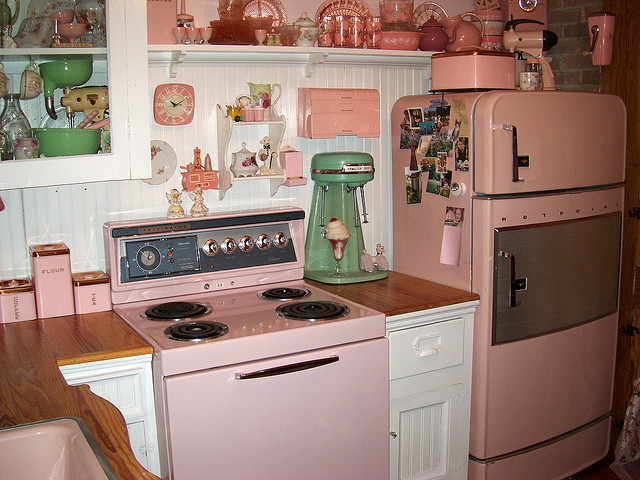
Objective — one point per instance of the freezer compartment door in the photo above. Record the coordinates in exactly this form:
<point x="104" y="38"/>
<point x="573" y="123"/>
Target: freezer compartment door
<point x="549" y="277"/>
<point x="541" y="141"/>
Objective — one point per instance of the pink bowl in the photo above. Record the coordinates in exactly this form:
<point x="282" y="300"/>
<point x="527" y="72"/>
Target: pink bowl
<point x="72" y="31"/>
<point x="400" y="40"/>
<point x="63" y="16"/>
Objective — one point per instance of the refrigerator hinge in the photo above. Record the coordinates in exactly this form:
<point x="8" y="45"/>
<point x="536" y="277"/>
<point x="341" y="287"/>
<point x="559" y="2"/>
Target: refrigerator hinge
<point x="634" y="212"/>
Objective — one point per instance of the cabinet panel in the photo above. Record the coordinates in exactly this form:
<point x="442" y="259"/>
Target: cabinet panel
<point x="425" y="436"/>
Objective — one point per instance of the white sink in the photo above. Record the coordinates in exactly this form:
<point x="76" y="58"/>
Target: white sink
<point x="62" y="448"/>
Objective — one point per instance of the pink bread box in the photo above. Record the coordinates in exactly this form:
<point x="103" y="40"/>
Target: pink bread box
<point x="473" y="70"/>
<point x="291" y="161"/>
<point x="52" y="280"/>
<point x="91" y="292"/>
<point x="17" y="301"/>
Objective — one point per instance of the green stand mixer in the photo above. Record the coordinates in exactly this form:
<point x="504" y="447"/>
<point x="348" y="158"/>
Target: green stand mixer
<point x="338" y="176"/>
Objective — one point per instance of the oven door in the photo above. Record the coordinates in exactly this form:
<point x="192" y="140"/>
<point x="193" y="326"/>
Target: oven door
<point x="315" y="415"/>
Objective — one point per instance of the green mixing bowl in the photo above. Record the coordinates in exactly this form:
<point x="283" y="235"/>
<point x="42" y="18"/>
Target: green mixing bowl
<point x="56" y="142"/>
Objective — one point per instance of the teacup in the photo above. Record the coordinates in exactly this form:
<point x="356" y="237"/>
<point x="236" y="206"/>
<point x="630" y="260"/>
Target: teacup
<point x="31" y="83"/>
<point x="4" y="82"/>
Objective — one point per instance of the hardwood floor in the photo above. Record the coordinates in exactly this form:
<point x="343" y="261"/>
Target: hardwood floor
<point x="599" y="471"/>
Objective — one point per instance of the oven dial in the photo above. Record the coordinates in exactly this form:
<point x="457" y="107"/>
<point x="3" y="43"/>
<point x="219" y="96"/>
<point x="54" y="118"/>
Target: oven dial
<point x="210" y="247"/>
<point x="246" y="243"/>
<point x="263" y="242"/>
<point x="280" y="240"/>
<point x="229" y="245"/>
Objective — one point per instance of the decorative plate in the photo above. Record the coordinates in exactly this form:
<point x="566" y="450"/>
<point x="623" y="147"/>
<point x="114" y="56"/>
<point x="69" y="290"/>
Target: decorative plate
<point x="331" y="8"/>
<point x="425" y="11"/>
<point x="272" y="8"/>
<point x="163" y="163"/>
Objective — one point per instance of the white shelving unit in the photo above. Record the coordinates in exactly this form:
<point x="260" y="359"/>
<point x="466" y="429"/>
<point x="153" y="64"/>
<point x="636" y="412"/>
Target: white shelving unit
<point x="276" y="127"/>
<point x="175" y="55"/>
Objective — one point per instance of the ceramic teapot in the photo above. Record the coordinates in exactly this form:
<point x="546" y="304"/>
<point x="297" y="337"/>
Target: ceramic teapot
<point x="462" y="33"/>
<point x="433" y="38"/>
<point x="244" y="162"/>
<point x="309" y="31"/>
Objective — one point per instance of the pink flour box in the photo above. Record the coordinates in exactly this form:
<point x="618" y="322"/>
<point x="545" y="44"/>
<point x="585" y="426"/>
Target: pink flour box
<point x="52" y="280"/>
<point x="91" y="292"/>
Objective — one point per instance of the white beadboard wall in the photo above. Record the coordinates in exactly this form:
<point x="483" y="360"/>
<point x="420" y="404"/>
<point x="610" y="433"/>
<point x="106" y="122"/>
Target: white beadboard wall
<point x="75" y="214"/>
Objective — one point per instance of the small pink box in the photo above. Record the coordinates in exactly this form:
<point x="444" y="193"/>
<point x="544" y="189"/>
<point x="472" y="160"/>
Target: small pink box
<point x="291" y="161"/>
<point x="17" y="301"/>
<point x="91" y="292"/>
<point x="52" y="280"/>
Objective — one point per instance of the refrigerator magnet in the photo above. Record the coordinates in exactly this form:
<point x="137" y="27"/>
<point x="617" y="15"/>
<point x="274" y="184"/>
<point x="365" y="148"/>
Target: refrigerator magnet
<point x="452" y="236"/>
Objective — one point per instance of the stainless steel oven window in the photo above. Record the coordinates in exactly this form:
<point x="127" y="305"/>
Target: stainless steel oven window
<point x="549" y="277"/>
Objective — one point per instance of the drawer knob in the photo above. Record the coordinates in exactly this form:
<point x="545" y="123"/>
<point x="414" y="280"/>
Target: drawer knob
<point x="427" y="346"/>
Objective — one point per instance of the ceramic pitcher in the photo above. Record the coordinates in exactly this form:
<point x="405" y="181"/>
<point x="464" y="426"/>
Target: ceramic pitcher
<point x="256" y="90"/>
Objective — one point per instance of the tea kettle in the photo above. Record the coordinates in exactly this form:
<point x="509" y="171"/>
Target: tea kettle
<point x="462" y="33"/>
<point x="433" y="38"/>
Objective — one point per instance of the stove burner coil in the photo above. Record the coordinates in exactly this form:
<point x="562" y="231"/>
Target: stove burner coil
<point x="317" y="310"/>
<point x="284" y="293"/>
<point x="176" y="311"/>
<point x="196" y="331"/>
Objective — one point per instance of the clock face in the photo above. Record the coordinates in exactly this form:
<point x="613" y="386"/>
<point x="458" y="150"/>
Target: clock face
<point x="173" y="104"/>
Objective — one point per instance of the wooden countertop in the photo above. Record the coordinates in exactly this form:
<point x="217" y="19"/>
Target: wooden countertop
<point x="399" y="293"/>
<point x="32" y="387"/>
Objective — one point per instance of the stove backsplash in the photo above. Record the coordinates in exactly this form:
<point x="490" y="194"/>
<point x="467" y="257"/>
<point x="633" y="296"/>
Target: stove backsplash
<point x="75" y="214"/>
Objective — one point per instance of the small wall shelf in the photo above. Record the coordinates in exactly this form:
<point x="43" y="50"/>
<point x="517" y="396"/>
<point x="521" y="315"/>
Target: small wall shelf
<point x="276" y="125"/>
<point x="310" y="57"/>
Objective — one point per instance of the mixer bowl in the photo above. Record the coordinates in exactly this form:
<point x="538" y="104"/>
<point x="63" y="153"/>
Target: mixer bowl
<point x="56" y="142"/>
<point x="64" y="73"/>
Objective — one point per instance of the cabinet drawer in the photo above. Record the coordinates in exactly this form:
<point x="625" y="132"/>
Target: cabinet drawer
<point x="426" y="348"/>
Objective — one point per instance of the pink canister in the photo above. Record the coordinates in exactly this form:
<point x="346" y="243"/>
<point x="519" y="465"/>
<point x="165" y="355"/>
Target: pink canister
<point x="91" y="292"/>
<point x="52" y="280"/>
<point x="17" y="302"/>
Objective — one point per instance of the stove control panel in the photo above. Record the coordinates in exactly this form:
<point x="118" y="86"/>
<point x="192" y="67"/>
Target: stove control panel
<point x="184" y="253"/>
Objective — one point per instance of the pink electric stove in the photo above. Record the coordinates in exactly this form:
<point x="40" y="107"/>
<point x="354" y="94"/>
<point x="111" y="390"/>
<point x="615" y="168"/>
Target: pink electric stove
<point x="293" y="372"/>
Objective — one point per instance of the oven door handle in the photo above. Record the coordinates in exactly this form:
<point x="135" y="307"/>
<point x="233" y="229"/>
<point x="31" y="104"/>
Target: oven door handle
<point x="293" y="367"/>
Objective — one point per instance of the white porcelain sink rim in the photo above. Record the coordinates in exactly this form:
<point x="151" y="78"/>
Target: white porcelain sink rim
<point x="41" y="427"/>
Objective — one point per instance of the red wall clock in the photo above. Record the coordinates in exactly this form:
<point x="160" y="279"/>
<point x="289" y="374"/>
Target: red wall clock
<point x="173" y="104"/>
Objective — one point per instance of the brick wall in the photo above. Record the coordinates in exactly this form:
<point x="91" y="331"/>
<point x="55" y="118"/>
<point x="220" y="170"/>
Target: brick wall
<point x="568" y="19"/>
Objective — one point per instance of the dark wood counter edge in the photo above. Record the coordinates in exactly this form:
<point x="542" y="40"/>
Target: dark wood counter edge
<point x="32" y="387"/>
<point x="399" y="293"/>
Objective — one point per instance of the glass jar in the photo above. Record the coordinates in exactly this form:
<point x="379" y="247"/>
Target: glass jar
<point x="396" y="11"/>
<point x="13" y="125"/>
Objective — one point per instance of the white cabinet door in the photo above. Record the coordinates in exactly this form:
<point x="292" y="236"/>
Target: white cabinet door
<point x="425" y="429"/>
<point x="122" y="67"/>
<point x="127" y="383"/>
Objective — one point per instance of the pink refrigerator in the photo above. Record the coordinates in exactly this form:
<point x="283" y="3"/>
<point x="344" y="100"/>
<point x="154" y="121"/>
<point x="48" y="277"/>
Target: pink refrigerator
<point x="518" y="196"/>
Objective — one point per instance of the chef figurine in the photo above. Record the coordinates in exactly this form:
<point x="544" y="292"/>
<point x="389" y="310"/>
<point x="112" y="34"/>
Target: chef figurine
<point x="197" y="160"/>
<point x="175" y="207"/>
<point x="199" y="208"/>
<point x="265" y="155"/>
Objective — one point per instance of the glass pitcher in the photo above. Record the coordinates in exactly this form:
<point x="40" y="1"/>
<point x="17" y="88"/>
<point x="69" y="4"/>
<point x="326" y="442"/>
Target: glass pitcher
<point x="13" y="125"/>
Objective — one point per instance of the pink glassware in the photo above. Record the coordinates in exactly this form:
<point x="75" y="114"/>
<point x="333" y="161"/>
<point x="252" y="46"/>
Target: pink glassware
<point x="193" y="34"/>
<point x="63" y="16"/>
<point x="205" y="33"/>
<point x="72" y="31"/>
<point x="179" y="33"/>
<point x="261" y="35"/>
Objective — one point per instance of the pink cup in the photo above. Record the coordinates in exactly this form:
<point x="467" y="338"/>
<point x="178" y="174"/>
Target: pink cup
<point x="601" y="27"/>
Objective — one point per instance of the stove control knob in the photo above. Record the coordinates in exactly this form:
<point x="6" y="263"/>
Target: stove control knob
<point x="229" y="245"/>
<point x="210" y="247"/>
<point x="280" y="240"/>
<point x="263" y="242"/>
<point x="246" y="244"/>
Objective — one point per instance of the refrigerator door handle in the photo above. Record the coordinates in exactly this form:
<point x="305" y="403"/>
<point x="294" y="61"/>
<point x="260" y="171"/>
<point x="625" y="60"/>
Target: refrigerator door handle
<point x="515" y="164"/>
<point x="513" y="283"/>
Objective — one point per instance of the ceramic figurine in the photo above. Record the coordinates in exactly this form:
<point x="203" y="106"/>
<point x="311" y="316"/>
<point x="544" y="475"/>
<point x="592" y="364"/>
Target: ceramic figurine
<point x="369" y="262"/>
<point x="175" y="207"/>
<point x="197" y="160"/>
<point x="266" y="156"/>
<point x="198" y="209"/>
